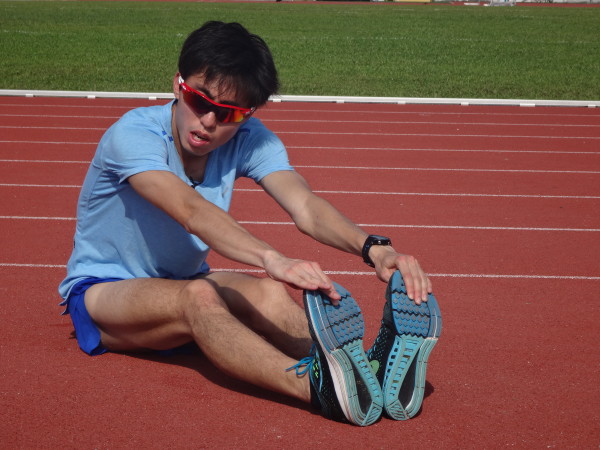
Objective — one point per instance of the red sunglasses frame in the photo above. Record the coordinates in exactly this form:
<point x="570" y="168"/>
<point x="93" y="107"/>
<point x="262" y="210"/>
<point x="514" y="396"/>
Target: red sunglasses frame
<point x="201" y="104"/>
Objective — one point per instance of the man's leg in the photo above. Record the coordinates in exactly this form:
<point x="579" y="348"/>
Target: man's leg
<point x="267" y="308"/>
<point x="161" y="314"/>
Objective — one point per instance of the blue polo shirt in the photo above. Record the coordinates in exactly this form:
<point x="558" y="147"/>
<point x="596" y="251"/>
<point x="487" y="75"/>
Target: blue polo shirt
<point x="121" y="235"/>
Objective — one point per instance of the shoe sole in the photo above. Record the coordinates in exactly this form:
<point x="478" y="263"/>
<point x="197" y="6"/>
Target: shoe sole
<point x="339" y="331"/>
<point x="417" y="330"/>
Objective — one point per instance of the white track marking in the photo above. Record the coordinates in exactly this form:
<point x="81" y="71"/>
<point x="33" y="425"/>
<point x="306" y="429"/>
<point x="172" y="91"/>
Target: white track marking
<point x="361" y="149"/>
<point x="320" y="121"/>
<point x="36" y="218"/>
<point x="43" y="161"/>
<point x="59" y="186"/>
<point x="315" y="99"/>
<point x="397" y="149"/>
<point x="372" y="225"/>
<point x="461" y="135"/>
<point x="343" y="133"/>
<point x="50" y="142"/>
<point x="422" y="194"/>
<point x="434" y="169"/>
<point x="441" y="194"/>
<point x="356" y="273"/>
<point x="277" y="110"/>
<point x="425" y="169"/>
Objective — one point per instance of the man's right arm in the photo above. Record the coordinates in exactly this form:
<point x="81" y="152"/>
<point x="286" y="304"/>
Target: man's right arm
<point x="222" y="233"/>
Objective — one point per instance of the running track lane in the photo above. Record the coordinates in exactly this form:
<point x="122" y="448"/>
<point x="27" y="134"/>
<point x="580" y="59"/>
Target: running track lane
<point x="500" y="204"/>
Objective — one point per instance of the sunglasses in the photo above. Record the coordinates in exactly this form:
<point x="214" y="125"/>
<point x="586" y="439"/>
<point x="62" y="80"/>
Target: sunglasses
<point x="201" y="104"/>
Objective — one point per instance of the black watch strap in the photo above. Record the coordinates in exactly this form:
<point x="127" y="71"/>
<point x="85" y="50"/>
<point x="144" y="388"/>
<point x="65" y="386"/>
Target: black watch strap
<point x="372" y="240"/>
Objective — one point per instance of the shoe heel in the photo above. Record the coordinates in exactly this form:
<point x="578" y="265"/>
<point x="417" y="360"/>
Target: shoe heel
<point x="339" y="331"/>
<point x="417" y="330"/>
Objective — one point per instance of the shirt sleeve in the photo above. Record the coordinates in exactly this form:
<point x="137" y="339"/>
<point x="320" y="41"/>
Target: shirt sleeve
<point x="133" y="146"/>
<point x="262" y="152"/>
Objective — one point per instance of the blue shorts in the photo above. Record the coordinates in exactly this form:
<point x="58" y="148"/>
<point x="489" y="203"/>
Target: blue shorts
<point x="86" y="331"/>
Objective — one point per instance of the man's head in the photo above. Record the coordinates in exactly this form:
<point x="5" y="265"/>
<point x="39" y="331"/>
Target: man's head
<point x="227" y="55"/>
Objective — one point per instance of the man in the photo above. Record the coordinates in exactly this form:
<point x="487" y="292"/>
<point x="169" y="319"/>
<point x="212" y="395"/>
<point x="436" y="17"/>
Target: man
<point x="154" y="202"/>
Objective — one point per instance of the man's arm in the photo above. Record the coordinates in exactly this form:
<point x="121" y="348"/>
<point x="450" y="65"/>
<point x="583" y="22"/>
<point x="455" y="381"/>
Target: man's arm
<point x="223" y="234"/>
<point x="317" y="218"/>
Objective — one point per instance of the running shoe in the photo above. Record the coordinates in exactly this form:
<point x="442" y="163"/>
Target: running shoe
<point x="322" y="391"/>
<point x="401" y="349"/>
<point x="341" y="366"/>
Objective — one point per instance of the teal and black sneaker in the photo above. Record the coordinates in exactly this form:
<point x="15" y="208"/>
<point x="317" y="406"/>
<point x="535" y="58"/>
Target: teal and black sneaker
<point x="322" y="391"/>
<point x="401" y="349"/>
<point x="341" y="375"/>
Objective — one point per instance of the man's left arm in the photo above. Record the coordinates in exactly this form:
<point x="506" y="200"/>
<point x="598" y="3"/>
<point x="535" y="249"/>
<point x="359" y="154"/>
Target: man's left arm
<point x="317" y="218"/>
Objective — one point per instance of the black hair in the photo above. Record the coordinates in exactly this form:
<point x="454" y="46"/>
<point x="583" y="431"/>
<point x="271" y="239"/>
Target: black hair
<point x="228" y="54"/>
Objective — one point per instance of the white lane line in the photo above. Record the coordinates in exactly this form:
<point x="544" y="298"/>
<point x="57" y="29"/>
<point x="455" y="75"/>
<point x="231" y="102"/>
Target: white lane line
<point x="441" y="169"/>
<point x="43" y="161"/>
<point x="35" y="218"/>
<point x="458" y="134"/>
<point x="312" y="120"/>
<point x="277" y="107"/>
<point x="90" y="107"/>
<point x="342" y="133"/>
<point x="412" y="169"/>
<point x="397" y="149"/>
<point x="59" y="186"/>
<point x="64" y="116"/>
<point x="49" y="142"/>
<point x="366" y="225"/>
<point x="390" y="149"/>
<point x="441" y="194"/>
<point x="413" y="122"/>
<point x="53" y="266"/>
<point x="442" y="275"/>
<point x="29" y="127"/>
<point x="437" y="227"/>
<point x="423" y="194"/>
<point x="357" y="273"/>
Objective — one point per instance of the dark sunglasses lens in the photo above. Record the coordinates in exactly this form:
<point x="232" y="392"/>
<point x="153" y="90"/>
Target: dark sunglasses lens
<point x="197" y="103"/>
<point x="202" y="106"/>
<point x="221" y="114"/>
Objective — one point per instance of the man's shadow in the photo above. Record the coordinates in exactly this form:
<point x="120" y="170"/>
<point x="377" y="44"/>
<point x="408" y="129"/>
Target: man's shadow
<point x="191" y="357"/>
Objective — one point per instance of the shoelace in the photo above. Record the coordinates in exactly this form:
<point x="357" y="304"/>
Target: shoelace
<point x="304" y="365"/>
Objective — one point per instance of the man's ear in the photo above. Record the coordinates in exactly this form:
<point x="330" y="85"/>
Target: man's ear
<point x="176" y="89"/>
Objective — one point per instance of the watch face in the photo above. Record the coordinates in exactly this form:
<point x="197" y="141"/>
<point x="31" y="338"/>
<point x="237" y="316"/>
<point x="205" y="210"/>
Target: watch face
<point x="379" y="239"/>
<point x="373" y="239"/>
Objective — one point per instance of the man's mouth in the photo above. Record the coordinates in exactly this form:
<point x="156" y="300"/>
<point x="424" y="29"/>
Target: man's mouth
<point x="199" y="138"/>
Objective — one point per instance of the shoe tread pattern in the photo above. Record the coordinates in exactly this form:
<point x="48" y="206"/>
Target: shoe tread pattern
<point x="340" y="326"/>
<point x="340" y="330"/>
<point x="422" y="320"/>
<point x="407" y="335"/>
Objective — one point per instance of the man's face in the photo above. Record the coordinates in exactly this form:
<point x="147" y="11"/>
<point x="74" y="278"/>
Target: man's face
<point x="199" y="134"/>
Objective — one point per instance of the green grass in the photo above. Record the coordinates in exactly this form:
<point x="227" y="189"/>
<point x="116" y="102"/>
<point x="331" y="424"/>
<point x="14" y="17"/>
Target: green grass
<point x="371" y="49"/>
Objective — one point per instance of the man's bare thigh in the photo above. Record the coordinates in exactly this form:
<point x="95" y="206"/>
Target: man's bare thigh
<point x="149" y="312"/>
<point x="139" y="313"/>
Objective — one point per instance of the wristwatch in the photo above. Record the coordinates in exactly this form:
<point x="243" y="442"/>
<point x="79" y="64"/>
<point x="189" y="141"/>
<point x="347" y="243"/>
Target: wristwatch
<point x="372" y="240"/>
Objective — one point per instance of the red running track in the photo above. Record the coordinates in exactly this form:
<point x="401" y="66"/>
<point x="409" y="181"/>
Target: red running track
<point x="500" y="204"/>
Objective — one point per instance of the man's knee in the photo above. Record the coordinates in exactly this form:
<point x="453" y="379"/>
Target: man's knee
<point x="266" y="293"/>
<point x="200" y="297"/>
<point x="273" y="290"/>
<point x="273" y="299"/>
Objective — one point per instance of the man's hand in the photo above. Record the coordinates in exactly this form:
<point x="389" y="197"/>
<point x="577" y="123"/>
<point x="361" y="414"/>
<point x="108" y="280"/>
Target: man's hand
<point x="387" y="261"/>
<point x="317" y="218"/>
<point x="300" y="274"/>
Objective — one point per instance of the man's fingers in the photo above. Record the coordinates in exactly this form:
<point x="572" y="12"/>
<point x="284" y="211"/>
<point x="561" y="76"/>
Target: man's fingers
<point x="417" y="283"/>
<point x="308" y="275"/>
<point x="324" y="284"/>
